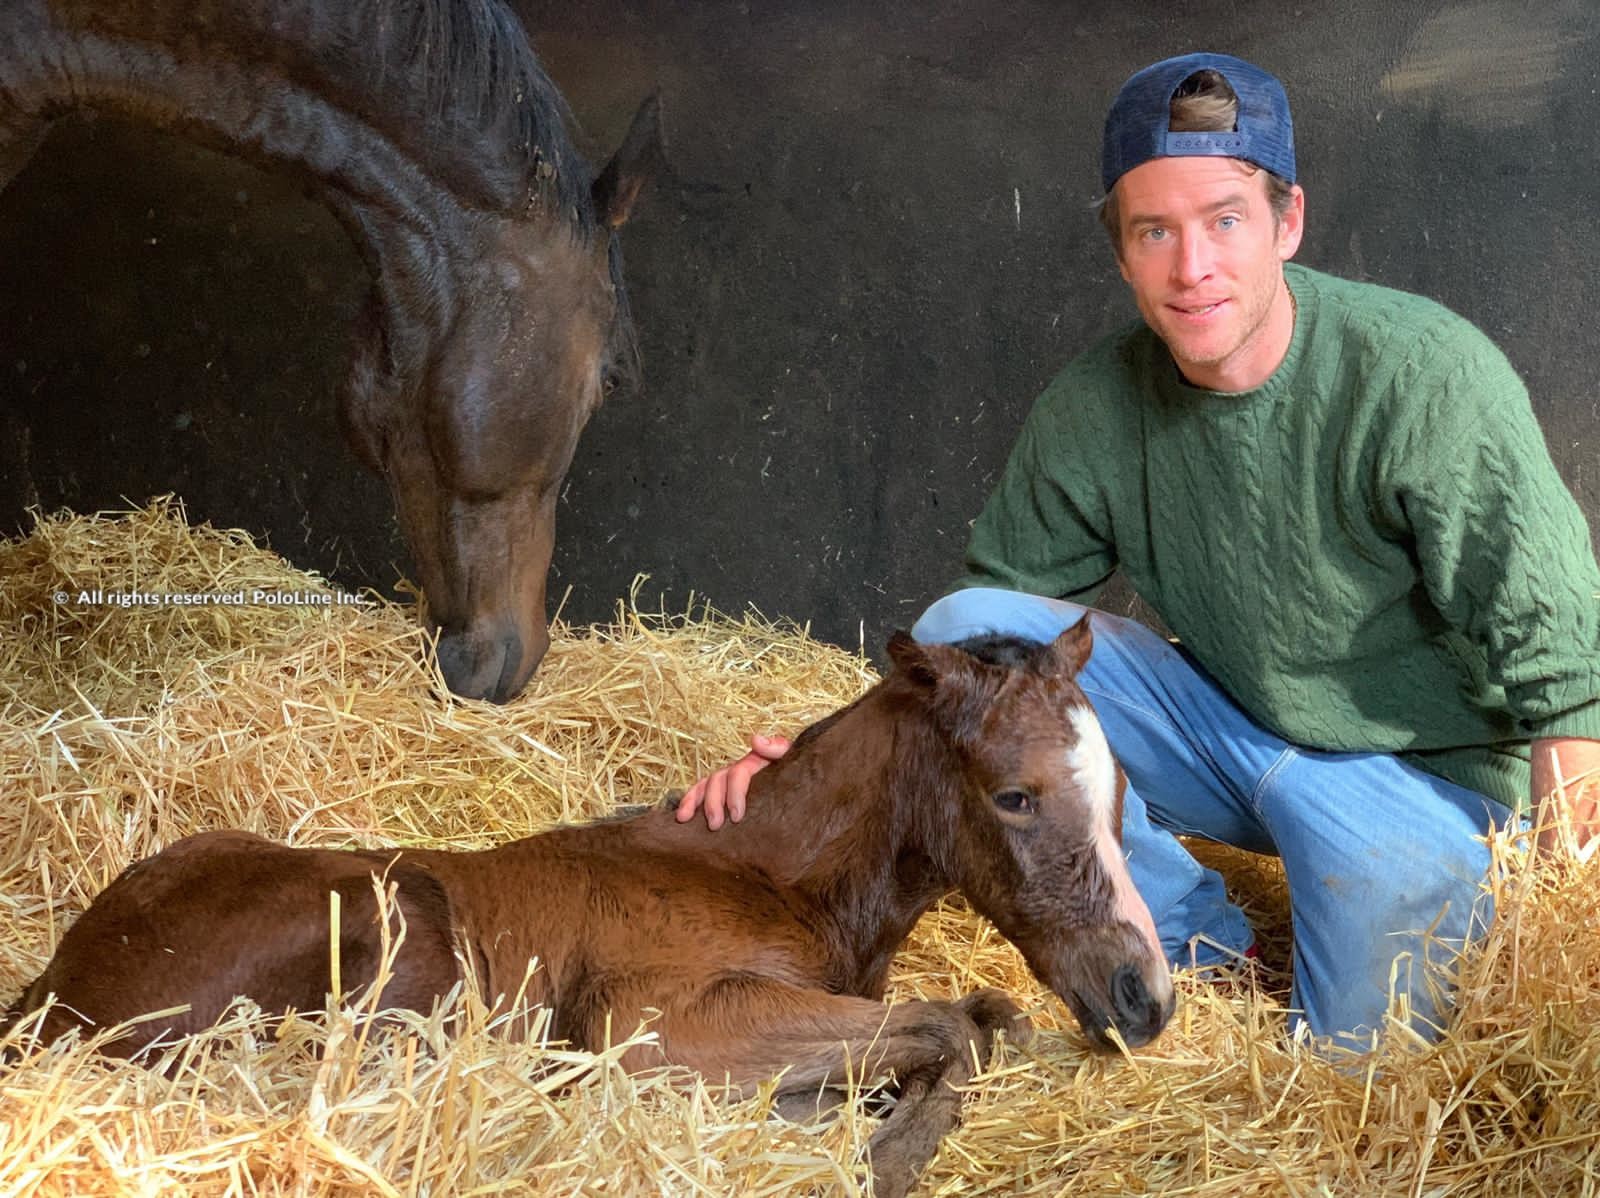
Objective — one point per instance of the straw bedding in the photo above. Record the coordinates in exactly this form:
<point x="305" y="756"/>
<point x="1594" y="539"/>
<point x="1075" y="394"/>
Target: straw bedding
<point x="122" y="729"/>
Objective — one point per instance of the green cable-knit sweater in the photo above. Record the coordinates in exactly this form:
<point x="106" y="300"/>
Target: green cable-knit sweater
<point x="1371" y="551"/>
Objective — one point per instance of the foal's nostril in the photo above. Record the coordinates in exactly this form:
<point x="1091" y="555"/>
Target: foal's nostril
<point x="1130" y="999"/>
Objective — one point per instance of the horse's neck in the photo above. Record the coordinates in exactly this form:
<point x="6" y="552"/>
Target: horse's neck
<point x="223" y="100"/>
<point x="842" y="820"/>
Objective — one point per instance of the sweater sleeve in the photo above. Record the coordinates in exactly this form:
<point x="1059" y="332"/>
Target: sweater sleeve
<point x="1505" y="553"/>
<point x="1045" y="528"/>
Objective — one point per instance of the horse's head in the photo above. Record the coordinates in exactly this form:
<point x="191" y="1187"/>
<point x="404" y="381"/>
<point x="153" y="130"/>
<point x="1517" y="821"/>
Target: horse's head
<point x="1037" y="825"/>
<point x="468" y="393"/>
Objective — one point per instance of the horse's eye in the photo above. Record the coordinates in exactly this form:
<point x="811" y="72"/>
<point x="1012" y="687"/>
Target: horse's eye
<point x="1014" y="802"/>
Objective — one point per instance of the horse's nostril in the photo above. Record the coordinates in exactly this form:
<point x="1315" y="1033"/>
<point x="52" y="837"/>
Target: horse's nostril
<point x="1130" y="998"/>
<point x="485" y="665"/>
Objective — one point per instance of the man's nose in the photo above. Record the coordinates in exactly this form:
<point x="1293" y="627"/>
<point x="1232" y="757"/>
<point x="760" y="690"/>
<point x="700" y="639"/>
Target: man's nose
<point x="1193" y="261"/>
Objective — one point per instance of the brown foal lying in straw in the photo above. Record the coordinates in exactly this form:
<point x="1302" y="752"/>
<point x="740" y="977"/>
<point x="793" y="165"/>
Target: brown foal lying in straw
<point x="764" y="947"/>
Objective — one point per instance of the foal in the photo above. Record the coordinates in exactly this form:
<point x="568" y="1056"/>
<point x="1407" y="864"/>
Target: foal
<point x="765" y="947"/>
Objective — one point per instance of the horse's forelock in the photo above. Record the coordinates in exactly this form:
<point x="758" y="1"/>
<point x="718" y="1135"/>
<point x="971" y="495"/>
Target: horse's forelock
<point x="960" y="702"/>
<point x="482" y="96"/>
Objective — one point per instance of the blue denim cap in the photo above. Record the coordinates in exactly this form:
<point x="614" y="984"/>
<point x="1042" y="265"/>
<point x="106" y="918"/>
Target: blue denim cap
<point x="1136" y="126"/>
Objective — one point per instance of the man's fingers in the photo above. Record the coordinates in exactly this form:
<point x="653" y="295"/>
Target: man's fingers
<point x="739" y="783"/>
<point x="770" y="747"/>
<point x="716" y="801"/>
<point x="721" y="796"/>
<point x="690" y="802"/>
<point x="764" y="750"/>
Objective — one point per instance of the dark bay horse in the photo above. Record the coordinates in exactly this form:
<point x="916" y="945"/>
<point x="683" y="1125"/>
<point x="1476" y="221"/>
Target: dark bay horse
<point x="497" y="317"/>
<point x="765" y="946"/>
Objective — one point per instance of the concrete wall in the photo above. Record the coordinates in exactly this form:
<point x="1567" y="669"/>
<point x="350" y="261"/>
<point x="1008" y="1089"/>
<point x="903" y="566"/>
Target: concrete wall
<point x="875" y="249"/>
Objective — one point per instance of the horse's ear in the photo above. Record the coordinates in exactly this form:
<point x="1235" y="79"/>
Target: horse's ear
<point x="638" y="160"/>
<point x="1071" y="649"/>
<point x="911" y="659"/>
<point x="926" y="665"/>
<point x="956" y="686"/>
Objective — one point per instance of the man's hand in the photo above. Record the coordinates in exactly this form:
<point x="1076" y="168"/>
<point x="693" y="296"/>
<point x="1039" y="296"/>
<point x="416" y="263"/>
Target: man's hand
<point x="723" y="793"/>
<point x="1566" y="768"/>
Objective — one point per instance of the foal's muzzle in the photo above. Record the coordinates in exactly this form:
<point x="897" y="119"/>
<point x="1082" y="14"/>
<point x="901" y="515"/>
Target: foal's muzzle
<point x="1110" y="978"/>
<point x="1137" y="1014"/>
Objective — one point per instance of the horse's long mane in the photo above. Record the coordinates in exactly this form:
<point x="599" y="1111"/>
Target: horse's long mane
<point x="455" y="83"/>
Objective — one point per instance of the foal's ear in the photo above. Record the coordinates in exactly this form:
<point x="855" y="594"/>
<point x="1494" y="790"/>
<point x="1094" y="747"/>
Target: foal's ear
<point x="956" y="687"/>
<point x="927" y="665"/>
<point x="638" y="160"/>
<point x="1070" y="650"/>
<point x="912" y="659"/>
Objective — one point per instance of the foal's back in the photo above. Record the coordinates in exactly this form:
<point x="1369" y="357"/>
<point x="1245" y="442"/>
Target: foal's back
<point x="618" y="918"/>
<point x="627" y="916"/>
<point x="224" y="914"/>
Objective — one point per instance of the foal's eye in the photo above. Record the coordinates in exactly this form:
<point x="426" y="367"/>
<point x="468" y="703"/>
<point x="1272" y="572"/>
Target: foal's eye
<point x="1014" y="802"/>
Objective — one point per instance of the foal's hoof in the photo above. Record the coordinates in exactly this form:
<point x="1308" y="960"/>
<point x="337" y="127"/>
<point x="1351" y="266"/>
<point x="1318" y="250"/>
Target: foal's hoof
<point x="808" y="1106"/>
<point x="994" y="1011"/>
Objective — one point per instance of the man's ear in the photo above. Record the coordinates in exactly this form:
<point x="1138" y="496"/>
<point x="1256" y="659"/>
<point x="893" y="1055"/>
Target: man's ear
<point x="1115" y="235"/>
<point x="1292" y="225"/>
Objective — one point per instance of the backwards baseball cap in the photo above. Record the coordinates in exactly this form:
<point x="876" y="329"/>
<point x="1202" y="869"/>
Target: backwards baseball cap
<point x="1136" y="126"/>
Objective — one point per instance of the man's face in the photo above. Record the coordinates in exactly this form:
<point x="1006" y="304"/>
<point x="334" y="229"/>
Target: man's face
<point x="1204" y="256"/>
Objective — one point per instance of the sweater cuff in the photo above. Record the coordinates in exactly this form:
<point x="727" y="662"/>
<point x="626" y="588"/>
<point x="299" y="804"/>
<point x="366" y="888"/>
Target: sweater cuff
<point x="1582" y="722"/>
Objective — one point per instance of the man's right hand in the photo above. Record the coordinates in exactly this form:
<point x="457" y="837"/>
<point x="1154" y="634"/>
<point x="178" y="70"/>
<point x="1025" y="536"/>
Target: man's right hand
<point x="723" y="793"/>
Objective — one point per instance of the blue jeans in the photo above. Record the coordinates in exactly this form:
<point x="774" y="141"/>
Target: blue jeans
<point x="1375" y="851"/>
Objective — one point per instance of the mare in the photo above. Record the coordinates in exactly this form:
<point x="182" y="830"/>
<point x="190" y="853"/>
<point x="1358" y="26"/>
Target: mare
<point x="765" y="947"/>
<point x="496" y="319"/>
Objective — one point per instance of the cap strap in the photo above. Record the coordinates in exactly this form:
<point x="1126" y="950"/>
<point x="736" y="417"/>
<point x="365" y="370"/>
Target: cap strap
<point x="1178" y="145"/>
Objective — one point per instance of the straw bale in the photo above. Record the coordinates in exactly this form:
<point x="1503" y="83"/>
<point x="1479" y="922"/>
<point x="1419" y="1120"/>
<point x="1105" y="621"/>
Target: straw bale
<point x="125" y="728"/>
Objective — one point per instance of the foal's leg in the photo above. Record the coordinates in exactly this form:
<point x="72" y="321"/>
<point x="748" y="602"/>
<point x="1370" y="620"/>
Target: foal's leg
<point x="990" y="1010"/>
<point x="752" y="1029"/>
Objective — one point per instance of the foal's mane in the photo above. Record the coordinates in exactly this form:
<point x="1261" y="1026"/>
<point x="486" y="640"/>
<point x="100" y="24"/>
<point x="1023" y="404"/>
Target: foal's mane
<point x="993" y="649"/>
<point x="455" y="83"/>
<point x="997" y="649"/>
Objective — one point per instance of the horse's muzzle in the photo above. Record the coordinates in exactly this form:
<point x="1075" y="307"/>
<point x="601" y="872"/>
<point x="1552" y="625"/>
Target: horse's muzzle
<point x="1136" y="1013"/>
<point x="1110" y="978"/>
<point x="1128" y="1005"/>
<point x="492" y="663"/>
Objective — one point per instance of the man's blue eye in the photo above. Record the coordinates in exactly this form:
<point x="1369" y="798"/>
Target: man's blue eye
<point x="1227" y="222"/>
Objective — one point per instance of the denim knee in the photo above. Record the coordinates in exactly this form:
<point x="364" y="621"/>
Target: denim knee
<point x="985" y="611"/>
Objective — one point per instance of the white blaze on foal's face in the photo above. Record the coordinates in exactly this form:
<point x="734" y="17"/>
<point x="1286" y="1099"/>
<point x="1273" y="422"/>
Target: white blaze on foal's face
<point x="1094" y="772"/>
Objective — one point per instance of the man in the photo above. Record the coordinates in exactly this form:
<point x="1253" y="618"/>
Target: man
<point x="1337" y="497"/>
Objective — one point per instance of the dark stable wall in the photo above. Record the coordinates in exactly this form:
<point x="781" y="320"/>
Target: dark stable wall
<point x="874" y="249"/>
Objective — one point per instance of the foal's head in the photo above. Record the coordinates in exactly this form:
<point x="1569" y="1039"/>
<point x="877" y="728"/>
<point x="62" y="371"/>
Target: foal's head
<point x="1034" y="823"/>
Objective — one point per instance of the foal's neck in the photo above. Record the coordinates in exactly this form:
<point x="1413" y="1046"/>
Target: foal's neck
<point x="846" y="819"/>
